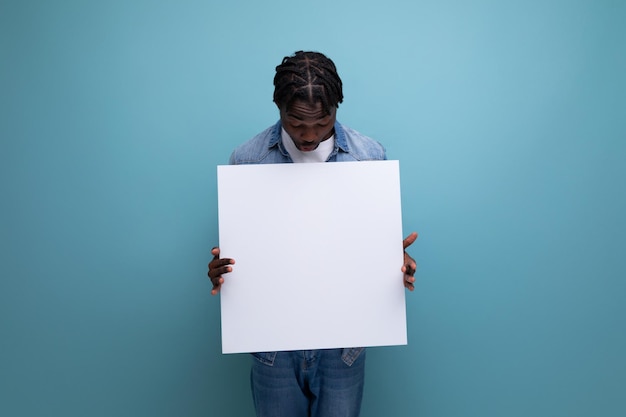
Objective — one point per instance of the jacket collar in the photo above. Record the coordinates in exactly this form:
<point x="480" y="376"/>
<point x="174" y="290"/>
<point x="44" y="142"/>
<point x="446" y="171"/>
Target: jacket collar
<point x="340" y="137"/>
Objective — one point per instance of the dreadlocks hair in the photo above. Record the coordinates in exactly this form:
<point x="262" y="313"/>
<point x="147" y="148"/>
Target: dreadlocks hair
<point x="310" y="77"/>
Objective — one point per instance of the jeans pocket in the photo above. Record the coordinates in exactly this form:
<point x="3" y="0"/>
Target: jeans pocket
<point x="266" y="358"/>
<point x="349" y="355"/>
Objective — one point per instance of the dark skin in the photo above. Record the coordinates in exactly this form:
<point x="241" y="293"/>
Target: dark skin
<point x="308" y="125"/>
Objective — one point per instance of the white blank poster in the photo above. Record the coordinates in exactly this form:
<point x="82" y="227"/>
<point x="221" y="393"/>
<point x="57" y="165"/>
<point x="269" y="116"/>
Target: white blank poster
<point x="318" y="252"/>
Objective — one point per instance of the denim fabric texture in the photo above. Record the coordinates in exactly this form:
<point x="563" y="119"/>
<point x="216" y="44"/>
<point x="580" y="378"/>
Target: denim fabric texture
<point x="267" y="148"/>
<point x="309" y="383"/>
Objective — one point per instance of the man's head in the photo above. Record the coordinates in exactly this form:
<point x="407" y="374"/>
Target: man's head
<point x="307" y="91"/>
<point x="309" y="77"/>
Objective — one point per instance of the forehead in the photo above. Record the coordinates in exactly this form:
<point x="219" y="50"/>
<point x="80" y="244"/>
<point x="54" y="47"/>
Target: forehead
<point x="303" y="110"/>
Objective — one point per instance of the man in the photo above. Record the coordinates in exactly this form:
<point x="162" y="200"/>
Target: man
<point x="317" y="383"/>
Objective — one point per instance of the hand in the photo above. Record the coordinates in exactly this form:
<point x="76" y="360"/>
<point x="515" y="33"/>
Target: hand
<point x="217" y="267"/>
<point x="409" y="263"/>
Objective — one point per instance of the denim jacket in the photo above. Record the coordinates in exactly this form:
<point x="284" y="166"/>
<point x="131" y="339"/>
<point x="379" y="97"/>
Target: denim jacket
<point x="267" y="148"/>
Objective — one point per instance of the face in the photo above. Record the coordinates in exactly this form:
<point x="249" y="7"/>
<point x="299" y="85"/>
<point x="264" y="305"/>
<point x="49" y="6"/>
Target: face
<point x="308" y="124"/>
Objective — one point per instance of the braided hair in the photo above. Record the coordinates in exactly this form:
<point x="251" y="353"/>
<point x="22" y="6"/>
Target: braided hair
<point x="308" y="76"/>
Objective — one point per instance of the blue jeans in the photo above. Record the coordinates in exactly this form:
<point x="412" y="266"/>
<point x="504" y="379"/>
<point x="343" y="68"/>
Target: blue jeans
<point x="310" y="383"/>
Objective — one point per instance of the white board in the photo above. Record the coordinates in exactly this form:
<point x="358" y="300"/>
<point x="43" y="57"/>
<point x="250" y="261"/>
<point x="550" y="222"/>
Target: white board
<point x="318" y="252"/>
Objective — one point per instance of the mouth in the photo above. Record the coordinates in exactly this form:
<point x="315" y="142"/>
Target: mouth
<point x="308" y="147"/>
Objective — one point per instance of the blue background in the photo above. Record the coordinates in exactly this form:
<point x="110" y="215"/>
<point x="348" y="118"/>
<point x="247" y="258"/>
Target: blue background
<point x="509" y="121"/>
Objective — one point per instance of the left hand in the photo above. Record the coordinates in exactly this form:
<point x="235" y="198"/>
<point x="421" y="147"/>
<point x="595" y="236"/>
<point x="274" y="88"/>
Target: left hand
<point x="409" y="263"/>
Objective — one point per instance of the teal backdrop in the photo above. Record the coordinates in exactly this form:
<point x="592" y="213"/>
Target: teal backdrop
<point x="509" y="122"/>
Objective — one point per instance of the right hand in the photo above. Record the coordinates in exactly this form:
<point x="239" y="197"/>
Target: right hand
<point x="217" y="267"/>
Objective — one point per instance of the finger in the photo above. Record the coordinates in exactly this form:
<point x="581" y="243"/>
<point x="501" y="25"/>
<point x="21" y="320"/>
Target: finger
<point x="408" y="241"/>
<point x="217" y="281"/>
<point x="220" y="262"/>
<point x="217" y="285"/>
<point x="215" y="252"/>
<point x="215" y="273"/>
<point x="410" y="265"/>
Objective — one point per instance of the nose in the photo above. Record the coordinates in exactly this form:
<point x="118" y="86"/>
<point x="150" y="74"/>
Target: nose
<point x="308" y="135"/>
